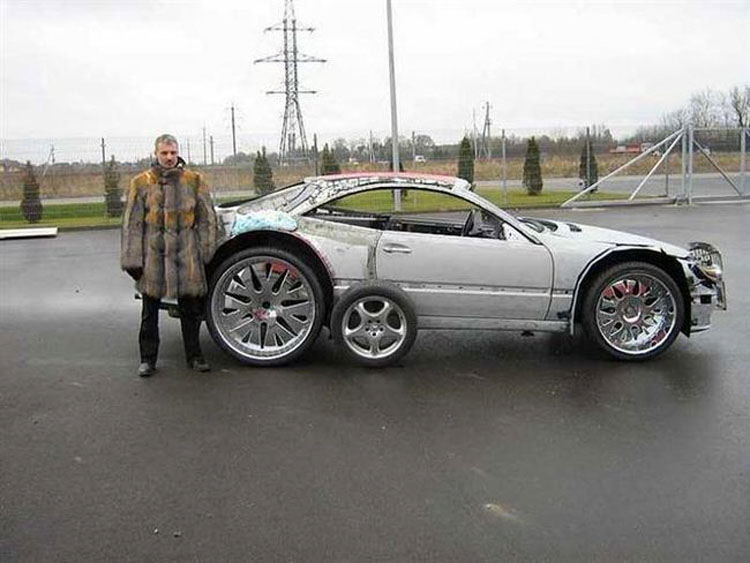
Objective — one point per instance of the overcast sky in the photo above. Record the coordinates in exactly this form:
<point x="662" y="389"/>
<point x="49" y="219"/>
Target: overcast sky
<point x="134" y="68"/>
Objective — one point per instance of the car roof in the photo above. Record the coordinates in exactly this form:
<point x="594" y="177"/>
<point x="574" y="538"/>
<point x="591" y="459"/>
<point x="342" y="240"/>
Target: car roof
<point x="415" y="178"/>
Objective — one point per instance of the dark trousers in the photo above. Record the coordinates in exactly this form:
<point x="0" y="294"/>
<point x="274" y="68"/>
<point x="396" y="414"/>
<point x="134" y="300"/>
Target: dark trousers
<point x="191" y="314"/>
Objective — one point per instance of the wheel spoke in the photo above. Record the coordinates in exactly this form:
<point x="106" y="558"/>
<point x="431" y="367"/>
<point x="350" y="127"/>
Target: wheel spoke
<point x="249" y="281"/>
<point x="382" y="314"/>
<point x="281" y="332"/>
<point x="356" y="332"/>
<point x="290" y="292"/>
<point x="303" y="309"/>
<point x="233" y="301"/>
<point x="374" y="346"/>
<point x="261" y="273"/>
<point x="397" y="333"/>
<point x="243" y="322"/>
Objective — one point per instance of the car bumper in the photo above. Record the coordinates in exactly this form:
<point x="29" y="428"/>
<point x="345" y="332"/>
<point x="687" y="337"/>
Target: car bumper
<point x="707" y="292"/>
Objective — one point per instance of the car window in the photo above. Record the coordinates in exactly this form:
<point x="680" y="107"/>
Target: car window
<point x="421" y="211"/>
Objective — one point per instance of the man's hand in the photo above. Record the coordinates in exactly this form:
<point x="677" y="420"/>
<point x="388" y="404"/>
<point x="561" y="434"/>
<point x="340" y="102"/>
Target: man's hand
<point x="135" y="273"/>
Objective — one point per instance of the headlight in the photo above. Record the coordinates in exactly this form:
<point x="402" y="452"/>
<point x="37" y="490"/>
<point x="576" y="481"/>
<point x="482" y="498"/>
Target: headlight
<point x="707" y="259"/>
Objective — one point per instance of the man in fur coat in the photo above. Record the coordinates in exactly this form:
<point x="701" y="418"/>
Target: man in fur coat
<point x="169" y="233"/>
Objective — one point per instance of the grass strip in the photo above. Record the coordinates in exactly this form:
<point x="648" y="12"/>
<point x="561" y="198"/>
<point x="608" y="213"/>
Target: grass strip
<point x="81" y="215"/>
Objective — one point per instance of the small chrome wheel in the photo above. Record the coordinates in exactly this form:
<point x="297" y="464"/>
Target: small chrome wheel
<point x="265" y="306"/>
<point x="634" y="311"/>
<point x="375" y="323"/>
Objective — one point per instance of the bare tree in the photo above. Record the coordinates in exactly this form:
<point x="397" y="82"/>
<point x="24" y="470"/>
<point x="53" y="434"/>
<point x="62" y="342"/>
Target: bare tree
<point x="704" y="109"/>
<point x="674" y="120"/>
<point x="739" y="101"/>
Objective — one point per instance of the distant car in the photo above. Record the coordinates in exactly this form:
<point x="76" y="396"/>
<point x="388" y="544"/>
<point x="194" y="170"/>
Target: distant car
<point x="337" y="251"/>
<point x="420" y="158"/>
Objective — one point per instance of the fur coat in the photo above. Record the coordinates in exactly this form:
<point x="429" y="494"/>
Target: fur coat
<point x="170" y="230"/>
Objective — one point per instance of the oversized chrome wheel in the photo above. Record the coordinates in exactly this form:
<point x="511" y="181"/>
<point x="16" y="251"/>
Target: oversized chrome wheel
<point x="375" y="323"/>
<point x="634" y="311"/>
<point x="265" y="306"/>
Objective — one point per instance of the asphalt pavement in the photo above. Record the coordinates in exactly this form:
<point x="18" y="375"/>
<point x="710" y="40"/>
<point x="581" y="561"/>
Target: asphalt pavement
<point x="480" y="446"/>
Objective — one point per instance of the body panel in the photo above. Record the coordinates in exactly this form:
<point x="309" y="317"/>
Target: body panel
<point x="468" y="277"/>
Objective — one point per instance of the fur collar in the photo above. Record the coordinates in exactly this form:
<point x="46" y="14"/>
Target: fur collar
<point x="169" y="174"/>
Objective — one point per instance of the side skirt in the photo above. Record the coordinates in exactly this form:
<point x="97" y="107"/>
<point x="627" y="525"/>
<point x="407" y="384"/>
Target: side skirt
<point x="464" y="323"/>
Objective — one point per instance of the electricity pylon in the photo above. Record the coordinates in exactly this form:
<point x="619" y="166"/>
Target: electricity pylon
<point x="293" y="128"/>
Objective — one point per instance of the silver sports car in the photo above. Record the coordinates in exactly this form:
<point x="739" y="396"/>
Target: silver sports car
<point x="376" y="257"/>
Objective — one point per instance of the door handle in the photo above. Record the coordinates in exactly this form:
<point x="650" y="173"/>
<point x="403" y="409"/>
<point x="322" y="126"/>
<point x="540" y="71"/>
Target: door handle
<point x="396" y="249"/>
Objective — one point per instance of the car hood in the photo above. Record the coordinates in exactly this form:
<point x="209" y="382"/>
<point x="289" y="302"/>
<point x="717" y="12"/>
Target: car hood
<point x="589" y="233"/>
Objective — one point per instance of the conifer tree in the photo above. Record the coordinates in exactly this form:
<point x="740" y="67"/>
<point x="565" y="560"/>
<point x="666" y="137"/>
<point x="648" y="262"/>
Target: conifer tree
<point x="466" y="161"/>
<point x="262" y="174"/>
<point x="328" y="164"/>
<point x="31" y="204"/>
<point x="593" y="167"/>
<point x="532" y="169"/>
<point x="112" y="191"/>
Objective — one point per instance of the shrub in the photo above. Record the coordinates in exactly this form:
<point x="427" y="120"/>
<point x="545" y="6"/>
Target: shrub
<point x="466" y="161"/>
<point x="112" y="191"/>
<point x="532" y="170"/>
<point x="328" y="164"/>
<point x="593" y="168"/>
<point x="262" y="174"/>
<point x="31" y="204"/>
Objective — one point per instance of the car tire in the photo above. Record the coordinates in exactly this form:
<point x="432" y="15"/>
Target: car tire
<point x="374" y="323"/>
<point x="265" y="306"/>
<point x="633" y="311"/>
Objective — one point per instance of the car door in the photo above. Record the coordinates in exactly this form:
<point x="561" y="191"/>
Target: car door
<point x="460" y="276"/>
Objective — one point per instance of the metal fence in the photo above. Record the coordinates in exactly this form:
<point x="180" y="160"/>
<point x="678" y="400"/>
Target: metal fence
<point x="693" y="141"/>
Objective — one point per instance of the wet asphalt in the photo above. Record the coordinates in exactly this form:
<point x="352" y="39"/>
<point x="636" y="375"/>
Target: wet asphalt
<point x="480" y="446"/>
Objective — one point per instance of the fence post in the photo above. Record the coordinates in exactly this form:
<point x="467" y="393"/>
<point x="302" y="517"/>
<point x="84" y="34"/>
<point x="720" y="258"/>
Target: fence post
<point x="505" y="173"/>
<point x="683" y="165"/>
<point x="666" y="176"/>
<point x="744" y="132"/>
<point x="691" y="141"/>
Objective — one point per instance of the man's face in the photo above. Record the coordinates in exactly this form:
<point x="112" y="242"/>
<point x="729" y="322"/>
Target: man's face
<point x="166" y="154"/>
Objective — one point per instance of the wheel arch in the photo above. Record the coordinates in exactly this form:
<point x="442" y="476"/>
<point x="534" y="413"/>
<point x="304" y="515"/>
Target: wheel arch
<point x="287" y="241"/>
<point x="657" y="258"/>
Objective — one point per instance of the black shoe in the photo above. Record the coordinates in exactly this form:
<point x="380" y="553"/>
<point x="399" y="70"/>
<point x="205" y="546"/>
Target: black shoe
<point x="146" y="369"/>
<point x="199" y="364"/>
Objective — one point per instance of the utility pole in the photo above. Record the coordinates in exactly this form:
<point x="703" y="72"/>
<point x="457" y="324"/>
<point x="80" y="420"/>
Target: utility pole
<point x="588" y="156"/>
<point x="205" y="160"/>
<point x="474" y="133"/>
<point x="505" y="173"/>
<point x="372" y="156"/>
<point x="394" y="112"/>
<point x="234" y="137"/>
<point x="315" y="152"/>
<point x="51" y="160"/>
<point x="486" y="136"/>
<point x="211" y="140"/>
<point x="104" y="157"/>
<point x="413" y="146"/>
<point x="293" y="124"/>
<point x="188" y="151"/>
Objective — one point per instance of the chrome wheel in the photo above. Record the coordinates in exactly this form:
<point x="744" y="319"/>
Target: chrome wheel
<point x="374" y="327"/>
<point x="263" y="308"/>
<point x="636" y="313"/>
